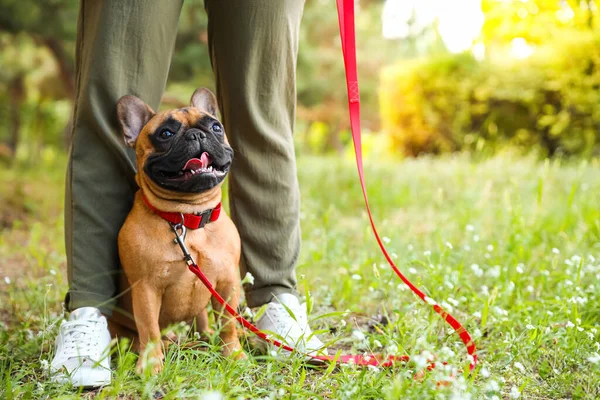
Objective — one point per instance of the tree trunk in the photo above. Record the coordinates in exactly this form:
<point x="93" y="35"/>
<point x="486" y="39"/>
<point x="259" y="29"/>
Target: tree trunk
<point x="64" y="64"/>
<point x="16" y="91"/>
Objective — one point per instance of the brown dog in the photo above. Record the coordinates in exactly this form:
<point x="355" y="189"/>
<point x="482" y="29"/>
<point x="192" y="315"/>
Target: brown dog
<point x="182" y="160"/>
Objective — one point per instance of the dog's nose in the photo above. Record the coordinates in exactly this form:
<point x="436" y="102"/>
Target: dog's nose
<point x="194" y="134"/>
<point x="191" y="135"/>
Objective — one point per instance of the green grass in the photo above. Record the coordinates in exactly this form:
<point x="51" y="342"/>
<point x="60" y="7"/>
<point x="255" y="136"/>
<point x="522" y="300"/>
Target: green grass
<point x="510" y="245"/>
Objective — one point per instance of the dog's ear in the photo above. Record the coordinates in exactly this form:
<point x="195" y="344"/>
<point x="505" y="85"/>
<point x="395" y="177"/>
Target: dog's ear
<point x="133" y="114"/>
<point x="204" y="100"/>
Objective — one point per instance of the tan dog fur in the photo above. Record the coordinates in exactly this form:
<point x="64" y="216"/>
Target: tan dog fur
<point x="163" y="290"/>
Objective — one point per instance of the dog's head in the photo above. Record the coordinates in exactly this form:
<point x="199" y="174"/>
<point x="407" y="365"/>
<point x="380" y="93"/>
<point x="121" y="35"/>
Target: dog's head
<point x="183" y="150"/>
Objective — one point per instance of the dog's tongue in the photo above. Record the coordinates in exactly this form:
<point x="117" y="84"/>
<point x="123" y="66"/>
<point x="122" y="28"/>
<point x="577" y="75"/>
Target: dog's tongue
<point x="202" y="162"/>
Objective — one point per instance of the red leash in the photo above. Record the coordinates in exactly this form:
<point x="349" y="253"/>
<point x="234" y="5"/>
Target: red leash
<point x="348" y="36"/>
<point x="347" y="33"/>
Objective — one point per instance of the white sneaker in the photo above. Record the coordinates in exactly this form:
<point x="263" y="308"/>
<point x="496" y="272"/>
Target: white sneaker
<point x="293" y="329"/>
<point x="82" y="354"/>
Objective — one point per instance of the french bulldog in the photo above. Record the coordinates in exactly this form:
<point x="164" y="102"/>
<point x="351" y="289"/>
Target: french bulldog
<point x="182" y="158"/>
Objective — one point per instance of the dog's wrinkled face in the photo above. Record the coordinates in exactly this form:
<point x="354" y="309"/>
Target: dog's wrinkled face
<point x="183" y="150"/>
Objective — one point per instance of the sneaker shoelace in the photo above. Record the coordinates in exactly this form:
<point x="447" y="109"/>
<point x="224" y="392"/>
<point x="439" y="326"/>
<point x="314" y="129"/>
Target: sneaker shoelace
<point x="80" y="338"/>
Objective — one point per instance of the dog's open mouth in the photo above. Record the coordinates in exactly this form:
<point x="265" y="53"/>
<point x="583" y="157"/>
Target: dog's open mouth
<point x="196" y="167"/>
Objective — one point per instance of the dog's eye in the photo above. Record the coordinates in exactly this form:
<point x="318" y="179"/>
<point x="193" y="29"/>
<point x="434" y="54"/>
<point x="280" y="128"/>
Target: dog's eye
<point x="166" y="134"/>
<point x="216" y="128"/>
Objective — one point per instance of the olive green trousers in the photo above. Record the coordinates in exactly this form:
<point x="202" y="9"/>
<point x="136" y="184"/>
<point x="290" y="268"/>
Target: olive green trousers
<point x="125" y="47"/>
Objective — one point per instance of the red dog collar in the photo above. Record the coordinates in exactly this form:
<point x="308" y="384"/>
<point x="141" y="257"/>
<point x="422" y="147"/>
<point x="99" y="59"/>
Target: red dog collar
<point x="190" y="221"/>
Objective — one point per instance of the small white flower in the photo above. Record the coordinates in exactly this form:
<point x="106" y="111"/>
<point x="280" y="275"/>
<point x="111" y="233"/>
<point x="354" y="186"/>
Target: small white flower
<point x="530" y="327"/>
<point x="430" y="301"/>
<point x="492" y="386"/>
<point x="392" y="349"/>
<point x="7" y="280"/>
<point x="476" y="238"/>
<point x="373" y="368"/>
<point x="449" y="245"/>
<point x="394" y="256"/>
<point x="343" y="322"/>
<point x="494" y="272"/>
<point x="377" y="344"/>
<point x="447" y="306"/>
<point x="52" y="272"/>
<point x="570" y="324"/>
<point x="477" y="314"/>
<point x="580" y="329"/>
<point x="467" y="247"/>
<point x="470" y="228"/>
<point x="427" y="253"/>
<point x="530" y="289"/>
<point x="211" y="395"/>
<point x="248" y="279"/>
<point x="490" y="247"/>
<point x="485" y="372"/>
<point x="386" y="239"/>
<point x="410" y="247"/>
<point x="519" y="366"/>
<point x="420" y="361"/>
<point x="358" y="335"/>
<point x="555" y="250"/>
<point x="412" y="270"/>
<point x="594" y="358"/>
<point x="519" y="269"/>
<point x="476" y="270"/>
<point x="44" y="364"/>
<point x="356" y="277"/>
<point x="514" y="393"/>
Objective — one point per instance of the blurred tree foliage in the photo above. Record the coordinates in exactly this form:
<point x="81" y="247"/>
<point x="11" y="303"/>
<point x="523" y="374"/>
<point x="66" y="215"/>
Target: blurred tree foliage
<point x="36" y="74"/>
<point x="536" y="21"/>
<point x="547" y="102"/>
<point x="37" y="40"/>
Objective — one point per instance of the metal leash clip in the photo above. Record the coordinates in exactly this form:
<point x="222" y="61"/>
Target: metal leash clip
<point x="180" y="233"/>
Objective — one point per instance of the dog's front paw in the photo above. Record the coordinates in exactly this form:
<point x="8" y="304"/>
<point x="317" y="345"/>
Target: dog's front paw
<point x="150" y="361"/>
<point x="234" y="350"/>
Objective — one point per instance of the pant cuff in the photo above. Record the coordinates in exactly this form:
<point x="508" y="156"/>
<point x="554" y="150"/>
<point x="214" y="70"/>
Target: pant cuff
<point x="258" y="297"/>
<point x="76" y="299"/>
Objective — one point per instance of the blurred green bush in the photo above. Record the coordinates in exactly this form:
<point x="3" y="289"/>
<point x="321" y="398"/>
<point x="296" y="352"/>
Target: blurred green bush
<point x="549" y="102"/>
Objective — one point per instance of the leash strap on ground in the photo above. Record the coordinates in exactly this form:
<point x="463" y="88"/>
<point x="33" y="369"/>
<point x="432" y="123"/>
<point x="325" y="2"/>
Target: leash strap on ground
<point x="348" y="38"/>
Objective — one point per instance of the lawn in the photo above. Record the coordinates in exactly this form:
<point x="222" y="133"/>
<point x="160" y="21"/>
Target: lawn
<point x="511" y="246"/>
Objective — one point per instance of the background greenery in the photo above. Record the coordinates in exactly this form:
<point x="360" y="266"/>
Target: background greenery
<point x="416" y="97"/>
